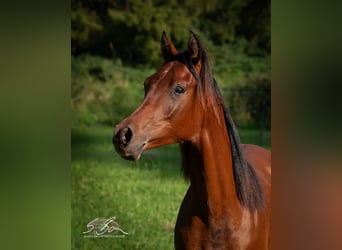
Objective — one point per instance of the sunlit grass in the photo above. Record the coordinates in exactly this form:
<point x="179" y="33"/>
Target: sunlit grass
<point x="144" y="196"/>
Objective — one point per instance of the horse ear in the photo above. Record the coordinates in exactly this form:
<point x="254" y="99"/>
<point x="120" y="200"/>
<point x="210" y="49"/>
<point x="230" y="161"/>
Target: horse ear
<point x="167" y="48"/>
<point x="194" y="48"/>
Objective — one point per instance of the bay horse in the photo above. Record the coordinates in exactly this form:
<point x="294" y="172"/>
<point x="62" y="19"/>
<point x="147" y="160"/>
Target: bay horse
<point x="227" y="205"/>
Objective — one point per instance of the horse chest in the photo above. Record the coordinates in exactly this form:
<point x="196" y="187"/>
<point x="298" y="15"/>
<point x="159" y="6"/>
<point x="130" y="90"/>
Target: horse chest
<point x="200" y="236"/>
<point x="193" y="231"/>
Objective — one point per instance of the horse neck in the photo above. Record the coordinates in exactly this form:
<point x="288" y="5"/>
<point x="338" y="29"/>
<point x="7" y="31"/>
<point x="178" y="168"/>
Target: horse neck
<point x="207" y="160"/>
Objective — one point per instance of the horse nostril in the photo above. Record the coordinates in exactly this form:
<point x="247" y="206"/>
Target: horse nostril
<point x="122" y="138"/>
<point x="125" y="136"/>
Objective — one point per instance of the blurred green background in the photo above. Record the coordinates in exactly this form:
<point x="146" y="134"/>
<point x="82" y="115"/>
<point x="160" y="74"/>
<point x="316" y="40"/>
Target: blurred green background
<point x="115" y="45"/>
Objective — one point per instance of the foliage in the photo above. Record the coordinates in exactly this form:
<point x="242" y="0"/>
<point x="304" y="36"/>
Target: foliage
<point x="250" y="104"/>
<point x="130" y="30"/>
<point x="115" y="46"/>
<point x="105" y="92"/>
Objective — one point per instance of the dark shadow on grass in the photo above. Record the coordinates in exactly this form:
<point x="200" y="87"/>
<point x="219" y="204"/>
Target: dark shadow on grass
<point x="95" y="144"/>
<point x="97" y="135"/>
<point x="92" y="144"/>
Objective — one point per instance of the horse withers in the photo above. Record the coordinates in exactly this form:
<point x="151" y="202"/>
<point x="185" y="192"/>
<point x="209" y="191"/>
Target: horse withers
<point x="227" y="205"/>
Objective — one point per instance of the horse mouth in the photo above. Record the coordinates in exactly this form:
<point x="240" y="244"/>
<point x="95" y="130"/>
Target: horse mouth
<point x="131" y="155"/>
<point x="129" y="158"/>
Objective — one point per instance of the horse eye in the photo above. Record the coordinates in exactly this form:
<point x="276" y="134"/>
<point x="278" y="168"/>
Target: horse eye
<point x="179" y="90"/>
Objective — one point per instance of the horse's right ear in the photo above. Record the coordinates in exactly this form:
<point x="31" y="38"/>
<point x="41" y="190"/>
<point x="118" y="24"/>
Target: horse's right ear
<point x="168" y="50"/>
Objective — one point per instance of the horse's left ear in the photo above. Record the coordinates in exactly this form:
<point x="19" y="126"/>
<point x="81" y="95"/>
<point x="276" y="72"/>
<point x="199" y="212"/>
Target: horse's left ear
<point x="194" y="48"/>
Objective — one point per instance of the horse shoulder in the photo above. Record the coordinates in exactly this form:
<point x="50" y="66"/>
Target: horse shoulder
<point x="260" y="159"/>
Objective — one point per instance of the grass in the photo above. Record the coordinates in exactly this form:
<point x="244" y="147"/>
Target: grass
<point x="144" y="196"/>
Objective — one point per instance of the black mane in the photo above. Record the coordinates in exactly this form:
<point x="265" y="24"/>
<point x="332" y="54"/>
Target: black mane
<point x="248" y="188"/>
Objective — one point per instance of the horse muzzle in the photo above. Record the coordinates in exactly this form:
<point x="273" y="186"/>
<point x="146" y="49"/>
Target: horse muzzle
<point x="122" y="141"/>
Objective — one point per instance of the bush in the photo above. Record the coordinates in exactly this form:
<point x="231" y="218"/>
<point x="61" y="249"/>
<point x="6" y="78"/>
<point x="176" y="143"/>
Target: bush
<point x="250" y="103"/>
<point x="104" y="92"/>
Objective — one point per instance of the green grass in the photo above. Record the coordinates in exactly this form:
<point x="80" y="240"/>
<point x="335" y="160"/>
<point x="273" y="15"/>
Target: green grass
<point x="144" y="196"/>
